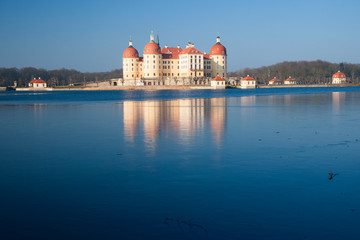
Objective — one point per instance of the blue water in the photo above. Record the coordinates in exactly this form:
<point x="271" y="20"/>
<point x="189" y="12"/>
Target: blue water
<point x="134" y="95"/>
<point x="180" y="164"/>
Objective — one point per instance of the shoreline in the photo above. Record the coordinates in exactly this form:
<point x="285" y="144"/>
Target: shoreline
<point x="157" y="88"/>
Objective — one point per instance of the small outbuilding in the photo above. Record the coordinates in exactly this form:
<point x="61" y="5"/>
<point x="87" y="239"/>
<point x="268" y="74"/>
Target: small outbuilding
<point x="218" y="83"/>
<point x="338" y="78"/>
<point x="275" y="81"/>
<point x="290" y="81"/>
<point x="248" y="82"/>
<point x="37" y="83"/>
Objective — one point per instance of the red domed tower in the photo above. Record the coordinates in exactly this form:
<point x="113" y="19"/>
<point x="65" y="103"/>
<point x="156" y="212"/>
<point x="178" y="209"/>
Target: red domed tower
<point x="130" y="62"/>
<point x="219" y="58"/>
<point x="130" y="52"/>
<point x="152" y="59"/>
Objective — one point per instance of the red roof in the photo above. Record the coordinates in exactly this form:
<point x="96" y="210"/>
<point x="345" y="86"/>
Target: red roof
<point x="274" y="80"/>
<point x="130" y="52"/>
<point x="218" y="78"/>
<point x="290" y="79"/>
<point x="248" y="78"/>
<point x="152" y="48"/>
<point x="37" y="81"/>
<point x="170" y="52"/>
<point x="190" y="50"/>
<point x="206" y="56"/>
<point x="339" y="75"/>
<point x="218" y="49"/>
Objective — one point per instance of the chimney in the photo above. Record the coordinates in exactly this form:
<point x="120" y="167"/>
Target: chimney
<point x="178" y="46"/>
<point x="166" y="46"/>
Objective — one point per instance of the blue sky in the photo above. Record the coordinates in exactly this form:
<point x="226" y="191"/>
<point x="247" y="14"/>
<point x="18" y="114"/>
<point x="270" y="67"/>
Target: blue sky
<point x="91" y="35"/>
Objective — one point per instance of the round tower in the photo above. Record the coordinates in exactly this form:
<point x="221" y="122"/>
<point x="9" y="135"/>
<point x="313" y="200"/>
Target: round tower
<point x="130" y="62"/>
<point x="152" y="59"/>
<point x="219" y="59"/>
<point x="338" y="78"/>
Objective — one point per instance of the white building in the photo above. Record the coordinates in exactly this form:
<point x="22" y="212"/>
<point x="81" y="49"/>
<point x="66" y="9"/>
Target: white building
<point x="338" y="78"/>
<point x="218" y="83"/>
<point x="248" y="82"/>
<point x="290" y="81"/>
<point x="274" y="81"/>
<point x="37" y="83"/>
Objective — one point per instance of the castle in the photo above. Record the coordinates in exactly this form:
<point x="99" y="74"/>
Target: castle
<point x="173" y="65"/>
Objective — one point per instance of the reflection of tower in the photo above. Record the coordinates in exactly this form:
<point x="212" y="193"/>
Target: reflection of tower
<point x="191" y="116"/>
<point x="218" y="117"/>
<point x="337" y="98"/>
<point x="151" y="119"/>
<point x="131" y="119"/>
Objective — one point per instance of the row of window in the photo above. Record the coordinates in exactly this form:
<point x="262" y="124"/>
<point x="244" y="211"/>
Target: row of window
<point x="168" y="74"/>
<point x="168" y="67"/>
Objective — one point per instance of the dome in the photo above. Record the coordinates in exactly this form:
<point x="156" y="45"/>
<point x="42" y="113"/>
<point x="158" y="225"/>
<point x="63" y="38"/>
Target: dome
<point x="339" y="75"/>
<point x="152" y="48"/>
<point x="218" y="49"/>
<point x="131" y="52"/>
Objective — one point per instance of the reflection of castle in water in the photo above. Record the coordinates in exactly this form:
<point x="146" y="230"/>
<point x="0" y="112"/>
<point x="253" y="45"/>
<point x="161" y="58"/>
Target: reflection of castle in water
<point x="185" y="117"/>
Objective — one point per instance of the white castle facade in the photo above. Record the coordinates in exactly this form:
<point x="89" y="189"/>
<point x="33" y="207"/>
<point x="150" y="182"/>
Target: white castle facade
<point x="172" y="65"/>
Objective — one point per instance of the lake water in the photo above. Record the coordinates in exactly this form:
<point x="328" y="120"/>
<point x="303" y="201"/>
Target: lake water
<point x="226" y="164"/>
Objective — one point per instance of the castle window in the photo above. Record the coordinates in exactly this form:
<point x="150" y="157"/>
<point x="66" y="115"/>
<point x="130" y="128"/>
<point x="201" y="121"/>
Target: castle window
<point x="154" y="74"/>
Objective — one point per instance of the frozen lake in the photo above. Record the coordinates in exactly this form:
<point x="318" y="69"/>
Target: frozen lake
<point x="180" y="164"/>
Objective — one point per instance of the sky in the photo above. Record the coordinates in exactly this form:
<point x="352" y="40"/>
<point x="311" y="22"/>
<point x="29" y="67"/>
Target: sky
<point x="91" y="35"/>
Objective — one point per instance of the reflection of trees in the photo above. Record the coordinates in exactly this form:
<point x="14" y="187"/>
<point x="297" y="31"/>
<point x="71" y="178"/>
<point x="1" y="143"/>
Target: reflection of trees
<point x="185" y="117"/>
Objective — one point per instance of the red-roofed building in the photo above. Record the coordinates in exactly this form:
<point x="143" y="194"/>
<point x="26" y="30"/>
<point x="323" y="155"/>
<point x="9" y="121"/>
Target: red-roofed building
<point x="248" y="82"/>
<point x="338" y="78"/>
<point x="166" y="65"/>
<point x="290" y="81"/>
<point x="275" y="81"/>
<point x="218" y="82"/>
<point x="37" y="83"/>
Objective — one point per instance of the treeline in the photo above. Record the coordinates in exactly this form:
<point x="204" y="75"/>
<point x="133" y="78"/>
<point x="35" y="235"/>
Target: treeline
<point x="304" y="72"/>
<point x="53" y="77"/>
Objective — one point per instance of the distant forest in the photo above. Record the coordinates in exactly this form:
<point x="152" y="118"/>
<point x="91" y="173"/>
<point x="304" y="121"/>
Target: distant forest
<point x="53" y="77"/>
<point x="304" y="72"/>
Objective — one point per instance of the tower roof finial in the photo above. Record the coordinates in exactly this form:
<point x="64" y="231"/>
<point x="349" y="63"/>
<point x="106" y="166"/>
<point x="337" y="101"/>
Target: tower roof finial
<point x="218" y="38"/>
<point x="130" y="42"/>
<point x="152" y="36"/>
